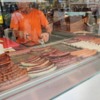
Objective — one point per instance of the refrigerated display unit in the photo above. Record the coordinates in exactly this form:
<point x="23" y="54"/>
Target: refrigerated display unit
<point x="50" y="85"/>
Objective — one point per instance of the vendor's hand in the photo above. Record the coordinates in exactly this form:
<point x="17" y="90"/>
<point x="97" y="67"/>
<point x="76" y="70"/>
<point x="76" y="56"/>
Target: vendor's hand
<point x="21" y="34"/>
<point x="45" y="36"/>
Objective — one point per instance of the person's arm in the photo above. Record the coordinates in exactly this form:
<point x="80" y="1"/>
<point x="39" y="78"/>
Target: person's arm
<point x="49" y="28"/>
<point x="46" y="25"/>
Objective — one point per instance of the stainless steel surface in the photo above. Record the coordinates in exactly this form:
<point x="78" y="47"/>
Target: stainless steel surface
<point x="88" y="90"/>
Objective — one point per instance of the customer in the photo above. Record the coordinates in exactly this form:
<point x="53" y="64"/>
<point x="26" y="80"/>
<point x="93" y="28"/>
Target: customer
<point x="27" y="24"/>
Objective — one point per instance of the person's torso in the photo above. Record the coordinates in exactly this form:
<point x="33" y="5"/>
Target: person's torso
<point x="30" y="24"/>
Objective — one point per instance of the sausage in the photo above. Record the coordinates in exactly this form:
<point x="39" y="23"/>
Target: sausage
<point x="43" y="65"/>
<point x="35" y="63"/>
<point x="17" y="74"/>
<point x="13" y="76"/>
<point x="93" y="52"/>
<point x="3" y="56"/>
<point x="96" y="40"/>
<point x="6" y="66"/>
<point x="10" y="71"/>
<point x="4" y="59"/>
<point x="37" y="70"/>
<point x="13" y="71"/>
<point x="78" y="52"/>
<point x="84" y="53"/>
<point x="20" y="52"/>
<point x="9" y="68"/>
<point x="60" y="59"/>
<point x="45" y="54"/>
<point x="58" y="54"/>
<point x="31" y="61"/>
<point x="28" y="64"/>
<point x="66" y="62"/>
<point x="42" y="72"/>
<point x="4" y="63"/>
<point x="32" y="58"/>
<point x="12" y="83"/>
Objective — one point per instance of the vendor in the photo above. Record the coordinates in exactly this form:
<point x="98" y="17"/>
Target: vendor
<point x="27" y="24"/>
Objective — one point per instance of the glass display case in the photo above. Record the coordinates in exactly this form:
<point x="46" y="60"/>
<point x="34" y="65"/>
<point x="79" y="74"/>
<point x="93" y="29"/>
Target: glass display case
<point x="52" y="84"/>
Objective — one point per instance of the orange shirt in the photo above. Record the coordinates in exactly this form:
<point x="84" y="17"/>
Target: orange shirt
<point x="29" y="23"/>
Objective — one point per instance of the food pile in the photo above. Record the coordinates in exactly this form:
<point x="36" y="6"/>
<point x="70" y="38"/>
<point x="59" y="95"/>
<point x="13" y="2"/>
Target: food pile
<point x="58" y="57"/>
<point x="89" y="42"/>
<point x="10" y="74"/>
<point x="37" y="66"/>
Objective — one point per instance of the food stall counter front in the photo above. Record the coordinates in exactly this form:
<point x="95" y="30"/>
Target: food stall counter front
<point x="83" y="90"/>
<point x="54" y="83"/>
